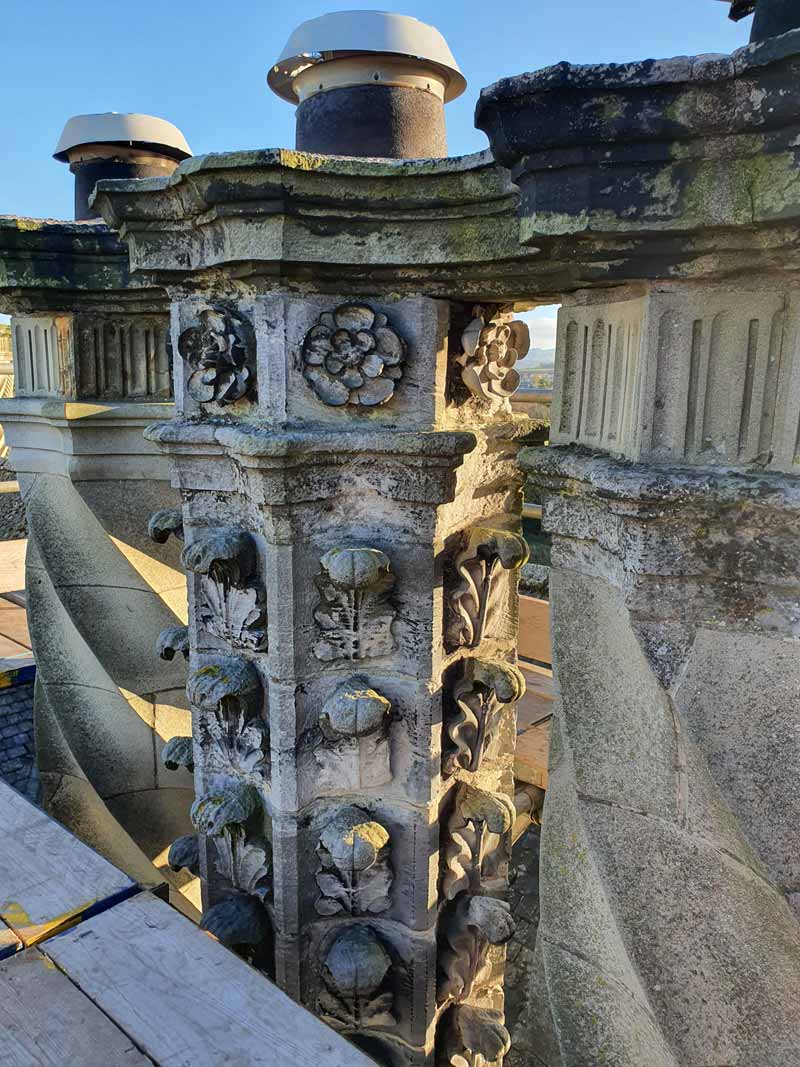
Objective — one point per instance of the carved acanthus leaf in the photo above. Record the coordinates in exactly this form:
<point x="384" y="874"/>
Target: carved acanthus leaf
<point x="220" y="357"/>
<point x="227" y="554"/>
<point x="225" y="682"/>
<point x="476" y="839"/>
<point x="233" y="614"/>
<point x="245" y="862"/>
<point x="492" y="343"/>
<point x="229" y="806"/>
<point x="354" y="874"/>
<point x="354" y="615"/>
<point x="467" y="930"/>
<point x="475" y="593"/>
<point x="164" y="523"/>
<point x="352" y="356"/>
<point x="473" y="1037"/>
<point x="356" y="974"/>
<point x="354" y="710"/>
<point x="173" y="641"/>
<point x="485" y="689"/>
<point x="178" y="752"/>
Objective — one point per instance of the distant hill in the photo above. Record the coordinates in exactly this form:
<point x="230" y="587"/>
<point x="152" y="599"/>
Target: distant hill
<point x="540" y="357"/>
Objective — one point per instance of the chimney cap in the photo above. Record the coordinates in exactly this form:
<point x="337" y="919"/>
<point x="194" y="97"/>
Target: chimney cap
<point x="123" y="128"/>
<point x="347" y="33"/>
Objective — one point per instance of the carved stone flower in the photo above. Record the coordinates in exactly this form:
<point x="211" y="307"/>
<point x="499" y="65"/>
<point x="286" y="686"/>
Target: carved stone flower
<point x="219" y="355"/>
<point x="352" y="356"/>
<point x="492" y="343"/>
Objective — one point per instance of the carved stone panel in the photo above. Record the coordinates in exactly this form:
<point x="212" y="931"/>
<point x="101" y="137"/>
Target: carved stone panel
<point x="476" y="591"/>
<point x="353" y="356"/>
<point x="354" y="875"/>
<point x="492" y="343"/>
<point x="233" y="734"/>
<point x="467" y="930"/>
<point x="220" y="357"/>
<point x="354" y="616"/>
<point x="481" y="695"/>
<point x="231" y="602"/>
<point x="352" y="751"/>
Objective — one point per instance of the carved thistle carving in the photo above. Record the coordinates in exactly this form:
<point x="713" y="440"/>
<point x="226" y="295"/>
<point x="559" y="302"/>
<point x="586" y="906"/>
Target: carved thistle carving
<point x="491" y="345"/>
<point x="354" y="876"/>
<point x="352" y="356"/>
<point x="356" y="976"/>
<point x="354" y="616"/>
<point x="469" y="927"/>
<point x="472" y="1037"/>
<point x="476" y="590"/>
<point x="480" y="697"/>
<point x="220" y="357"/>
<point x="353" y="748"/>
<point x="476" y="839"/>
<point x="231" y="602"/>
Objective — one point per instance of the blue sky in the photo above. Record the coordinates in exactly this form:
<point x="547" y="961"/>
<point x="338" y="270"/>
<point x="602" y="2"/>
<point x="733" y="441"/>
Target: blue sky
<point x="203" y="64"/>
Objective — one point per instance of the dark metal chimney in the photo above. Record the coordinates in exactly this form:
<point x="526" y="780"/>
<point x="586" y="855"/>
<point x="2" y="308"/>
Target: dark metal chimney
<point x="114" y="145"/>
<point x="368" y="83"/>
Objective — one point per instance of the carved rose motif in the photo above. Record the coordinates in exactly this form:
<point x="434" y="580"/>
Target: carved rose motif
<point x="219" y="354"/>
<point x="492" y="344"/>
<point x="352" y="356"/>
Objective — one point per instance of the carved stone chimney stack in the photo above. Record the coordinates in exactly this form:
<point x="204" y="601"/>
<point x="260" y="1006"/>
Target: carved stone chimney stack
<point x="368" y="83"/>
<point x="114" y="145"/>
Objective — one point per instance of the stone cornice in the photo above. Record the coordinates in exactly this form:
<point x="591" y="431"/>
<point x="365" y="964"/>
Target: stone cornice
<point x="52" y="266"/>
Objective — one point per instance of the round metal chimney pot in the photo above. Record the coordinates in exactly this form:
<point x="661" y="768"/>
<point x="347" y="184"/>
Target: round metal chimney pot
<point x="117" y="145"/>
<point x="368" y="83"/>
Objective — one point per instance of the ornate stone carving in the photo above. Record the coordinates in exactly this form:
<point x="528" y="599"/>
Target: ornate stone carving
<point x="173" y="641"/>
<point x="231" y="603"/>
<point x="354" y="615"/>
<point x="492" y="343"/>
<point x="242" y="858"/>
<point x="475" y="592"/>
<point x="356" y="975"/>
<point x="472" y="1037"/>
<point x="178" y="752"/>
<point x="233" y="737"/>
<point x="467" y="930"/>
<point x="476" y="839"/>
<point x="237" y="920"/>
<point x="352" y="356"/>
<point x="163" y="523"/>
<point x="228" y="807"/>
<point x="354" y="875"/>
<point x="220" y="357"/>
<point x="353" y="749"/>
<point x="485" y="689"/>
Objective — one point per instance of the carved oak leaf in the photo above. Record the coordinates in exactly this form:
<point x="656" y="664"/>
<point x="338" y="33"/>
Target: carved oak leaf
<point x="477" y="833"/>
<point x="473" y="1037"/>
<point x="354" y="614"/>
<point x="467" y="930"/>
<point x="492" y="343"/>
<point x="231" y="805"/>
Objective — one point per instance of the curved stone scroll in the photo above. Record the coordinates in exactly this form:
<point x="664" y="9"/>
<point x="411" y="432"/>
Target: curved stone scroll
<point x="480" y="697"/>
<point x="476" y="840"/>
<point x="356" y="976"/>
<point x="353" y="747"/>
<point x="492" y="343"/>
<point x="354" y="616"/>
<point x="352" y="356"/>
<point x="474" y="596"/>
<point x="354" y="876"/>
<point x="165" y="523"/>
<point x="220" y="356"/>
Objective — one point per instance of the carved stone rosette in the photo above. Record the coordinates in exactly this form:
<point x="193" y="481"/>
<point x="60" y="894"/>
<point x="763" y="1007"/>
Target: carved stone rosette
<point x="491" y="345"/>
<point x="220" y="357"/>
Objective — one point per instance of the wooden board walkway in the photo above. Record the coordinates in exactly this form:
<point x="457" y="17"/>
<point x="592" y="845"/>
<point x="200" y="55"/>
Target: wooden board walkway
<point x="98" y="973"/>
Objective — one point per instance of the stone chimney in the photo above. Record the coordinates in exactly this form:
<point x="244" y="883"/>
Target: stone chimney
<point x="368" y="83"/>
<point x="114" y="145"/>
